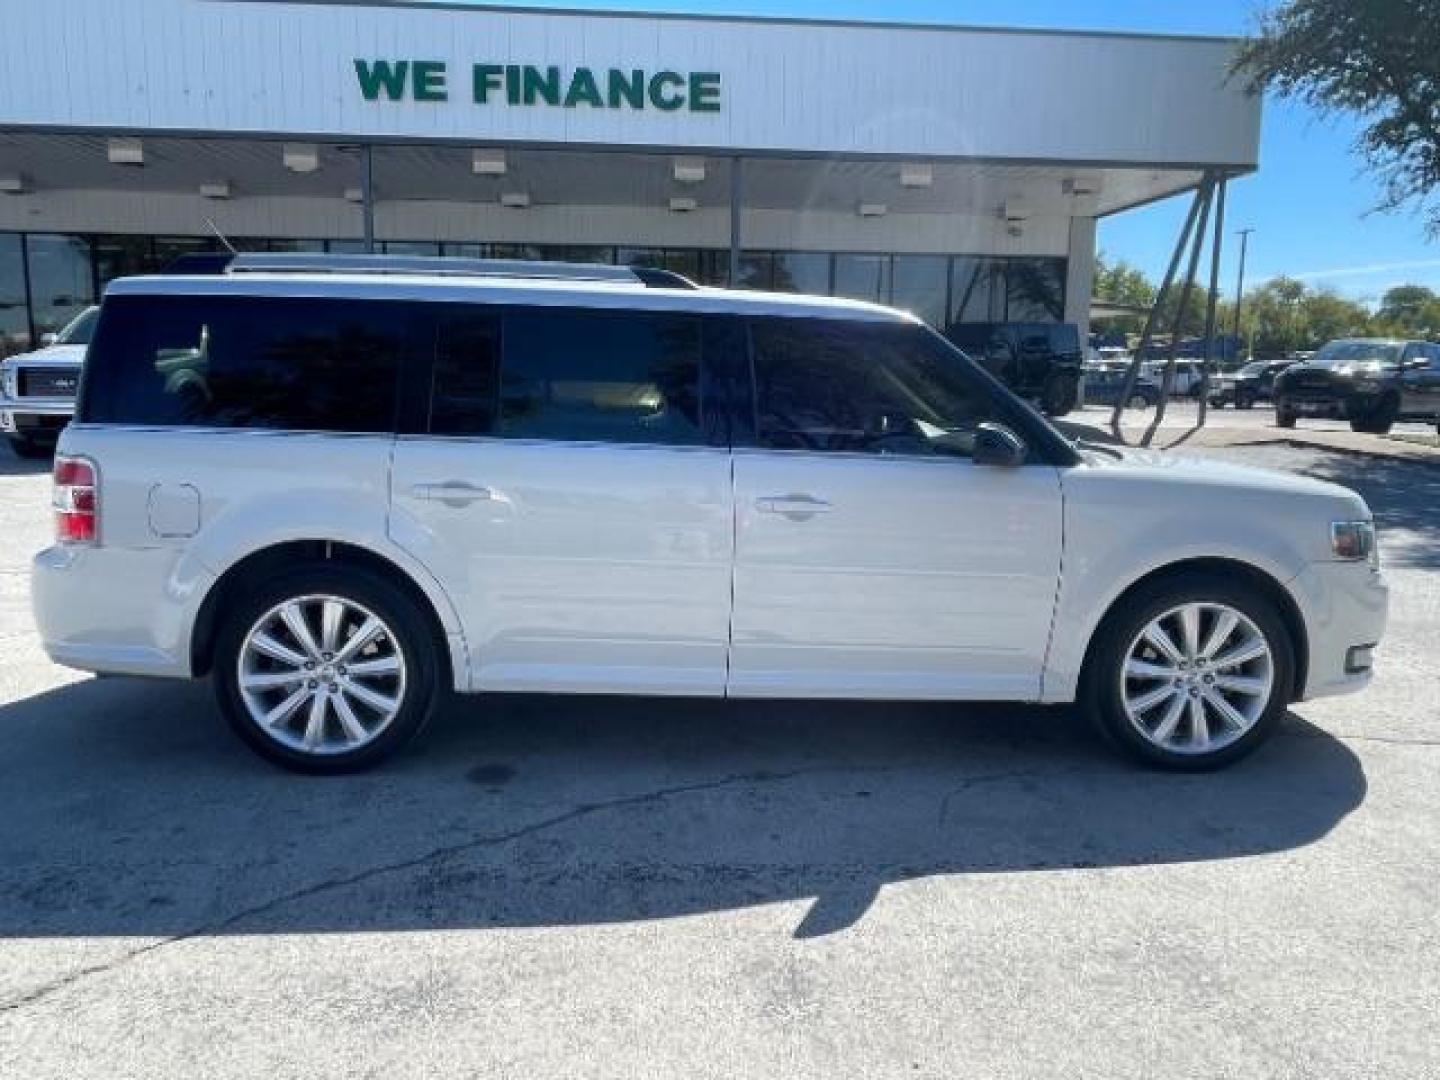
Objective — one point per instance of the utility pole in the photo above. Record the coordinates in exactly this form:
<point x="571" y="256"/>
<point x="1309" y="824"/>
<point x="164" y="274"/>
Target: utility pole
<point x="1240" y="287"/>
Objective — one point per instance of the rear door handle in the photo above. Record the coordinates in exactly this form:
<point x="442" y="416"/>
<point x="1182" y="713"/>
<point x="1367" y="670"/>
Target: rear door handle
<point x="452" y="492"/>
<point x="795" y="507"/>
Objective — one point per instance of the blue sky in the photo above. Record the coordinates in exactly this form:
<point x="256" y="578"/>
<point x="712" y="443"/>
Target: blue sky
<point x="1308" y="203"/>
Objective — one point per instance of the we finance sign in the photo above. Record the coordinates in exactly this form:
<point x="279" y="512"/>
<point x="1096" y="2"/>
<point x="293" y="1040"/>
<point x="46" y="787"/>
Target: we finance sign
<point x="636" y="89"/>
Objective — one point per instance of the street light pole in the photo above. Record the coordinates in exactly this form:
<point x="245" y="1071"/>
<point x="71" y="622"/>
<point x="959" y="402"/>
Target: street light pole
<point x="1240" y="287"/>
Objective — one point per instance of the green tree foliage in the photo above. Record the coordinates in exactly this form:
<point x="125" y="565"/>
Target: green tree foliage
<point x="1409" y="311"/>
<point x="1377" y="59"/>
<point x="1123" y="283"/>
<point x="1282" y="315"/>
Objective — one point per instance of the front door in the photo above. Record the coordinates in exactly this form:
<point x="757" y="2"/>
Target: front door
<point x="570" y="501"/>
<point x="873" y="558"/>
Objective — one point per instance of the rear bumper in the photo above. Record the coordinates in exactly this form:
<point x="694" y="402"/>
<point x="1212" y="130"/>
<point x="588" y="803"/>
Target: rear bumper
<point x="115" y="610"/>
<point x="1345" y="605"/>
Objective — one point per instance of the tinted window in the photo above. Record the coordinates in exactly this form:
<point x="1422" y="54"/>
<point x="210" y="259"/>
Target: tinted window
<point x="587" y="376"/>
<point x="846" y="386"/>
<point x="80" y="329"/>
<point x="465" y="382"/>
<point x="263" y="362"/>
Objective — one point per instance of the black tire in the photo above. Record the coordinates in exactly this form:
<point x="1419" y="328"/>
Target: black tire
<point x="33" y="449"/>
<point x="1101" y="683"/>
<point x="1283" y="417"/>
<point x="1139" y="401"/>
<point x="1244" y="401"/>
<point x="414" y="636"/>
<point x="1378" y="419"/>
<point x="1060" y="395"/>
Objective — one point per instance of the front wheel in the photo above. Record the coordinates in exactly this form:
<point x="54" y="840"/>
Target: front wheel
<point x="1244" y="401"/>
<point x="326" y="669"/>
<point x="1284" y="416"/>
<point x="1192" y="673"/>
<point x="1060" y="395"/>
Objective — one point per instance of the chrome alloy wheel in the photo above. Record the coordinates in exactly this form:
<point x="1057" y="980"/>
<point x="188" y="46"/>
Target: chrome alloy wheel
<point x="321" y="674"/>
<point x="1197" y="678"/>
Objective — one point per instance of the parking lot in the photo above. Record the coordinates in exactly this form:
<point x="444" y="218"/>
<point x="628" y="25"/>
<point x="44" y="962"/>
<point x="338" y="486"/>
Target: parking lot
<point x="615" y="887"/>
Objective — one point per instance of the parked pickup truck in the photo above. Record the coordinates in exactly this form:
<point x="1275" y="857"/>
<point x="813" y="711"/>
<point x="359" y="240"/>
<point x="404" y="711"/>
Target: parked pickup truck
<point x="37" y="389"/>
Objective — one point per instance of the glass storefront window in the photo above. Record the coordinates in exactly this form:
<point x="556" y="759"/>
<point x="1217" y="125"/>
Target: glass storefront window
<point x="285" y="245"/>
<point x="411" y="247"/>
<point x="920" y="286"/>
<point x="170" y="248"/>
<point x="14" y="317"/>
<point x="802" y="272"/>
<point x="977" y="291"/>
<point x="346" y="247"/>
<point x="757" y="270"/>
<point x="122" y="256"/>
<point x="863" y="277"/>
<point x="577" y="253"/>
<point x="60" y="283"/>
<point x="1035" y="290"/>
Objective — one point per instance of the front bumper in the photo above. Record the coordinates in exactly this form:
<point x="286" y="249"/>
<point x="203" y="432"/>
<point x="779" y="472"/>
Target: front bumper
<point x="1345" y="605"/>
<point x="18" y="414"/>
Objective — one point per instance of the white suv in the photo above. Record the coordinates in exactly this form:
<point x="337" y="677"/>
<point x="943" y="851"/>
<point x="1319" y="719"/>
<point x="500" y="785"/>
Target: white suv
<point x="346" y="486"/>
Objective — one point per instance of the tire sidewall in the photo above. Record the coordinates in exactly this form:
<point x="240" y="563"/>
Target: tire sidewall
<point x="1101" y="682"/>
<point x="414" y="638"/>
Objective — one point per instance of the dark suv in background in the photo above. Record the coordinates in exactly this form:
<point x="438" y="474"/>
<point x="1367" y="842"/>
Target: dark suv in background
<point x="1252" y="383"/>
<point x="1372" y="382"/>
<point x="1039" y="361"/>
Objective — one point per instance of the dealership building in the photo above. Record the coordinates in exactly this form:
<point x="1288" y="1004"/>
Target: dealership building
<point x="958" y="173"/>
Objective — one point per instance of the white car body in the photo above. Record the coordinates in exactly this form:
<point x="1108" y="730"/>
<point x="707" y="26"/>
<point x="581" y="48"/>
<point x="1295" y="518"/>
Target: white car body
<point x="689" y="570"/>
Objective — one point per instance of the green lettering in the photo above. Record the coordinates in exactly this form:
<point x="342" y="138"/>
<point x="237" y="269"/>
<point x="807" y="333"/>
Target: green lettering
<point x="632" y="89"/>
<point x="545" y="87"/>
<point x="486" y="78"/>
<point x="583" y="89"/>
<point x="382" y="75"/>
<point x="659" y="98"/>
<point x="429" y="78"/>
<point x="512" y="84"/>
<point x="704" y="91"/>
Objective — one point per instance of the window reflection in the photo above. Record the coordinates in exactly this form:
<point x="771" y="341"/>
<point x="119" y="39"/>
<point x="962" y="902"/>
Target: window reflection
<point x="863" y="277"/>
<point x="14" y="318"/>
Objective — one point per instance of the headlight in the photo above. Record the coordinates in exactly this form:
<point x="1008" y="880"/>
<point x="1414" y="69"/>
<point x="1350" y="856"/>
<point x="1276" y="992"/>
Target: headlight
<point x="1354" y="540"/>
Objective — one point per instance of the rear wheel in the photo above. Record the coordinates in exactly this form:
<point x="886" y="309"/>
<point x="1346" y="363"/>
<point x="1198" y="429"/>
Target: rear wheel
<point x="1244" y="400"/>
<point x="1139" y="401"/>
<point x="1192" y="673"/>
<point x="1284" y="414"/>
<point x="326" y="669"/>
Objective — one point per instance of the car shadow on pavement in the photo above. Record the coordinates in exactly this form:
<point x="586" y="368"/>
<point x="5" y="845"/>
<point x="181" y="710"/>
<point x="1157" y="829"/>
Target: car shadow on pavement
<point x="12" y="464"/>
<point x="128" y="810"/>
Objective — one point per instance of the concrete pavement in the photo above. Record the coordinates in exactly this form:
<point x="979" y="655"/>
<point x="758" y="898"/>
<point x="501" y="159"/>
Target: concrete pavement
<point x="589" y="887"/>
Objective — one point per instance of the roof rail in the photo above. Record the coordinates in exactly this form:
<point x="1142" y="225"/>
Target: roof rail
<point x="315" y="263"/>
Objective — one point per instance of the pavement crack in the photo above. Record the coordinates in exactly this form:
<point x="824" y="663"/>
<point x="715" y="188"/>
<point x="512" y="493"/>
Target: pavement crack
<point x="445" y="851"/>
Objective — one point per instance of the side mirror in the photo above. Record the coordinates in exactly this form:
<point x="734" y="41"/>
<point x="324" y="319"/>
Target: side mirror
<point x="996" y="444"/>
<point x="49" y="338"/>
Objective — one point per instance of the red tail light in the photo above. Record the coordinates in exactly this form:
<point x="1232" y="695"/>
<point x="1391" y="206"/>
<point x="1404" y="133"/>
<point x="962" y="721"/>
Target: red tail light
<point x="76" y="501"/>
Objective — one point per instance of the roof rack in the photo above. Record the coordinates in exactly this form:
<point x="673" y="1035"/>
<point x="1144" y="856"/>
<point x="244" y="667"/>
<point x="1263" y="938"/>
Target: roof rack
<point x="314" y="263"/>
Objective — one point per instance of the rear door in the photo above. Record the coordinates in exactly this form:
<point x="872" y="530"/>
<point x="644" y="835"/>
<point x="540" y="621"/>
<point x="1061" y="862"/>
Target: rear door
<point x="570" y="491"/>
<point x="873" y="558"/>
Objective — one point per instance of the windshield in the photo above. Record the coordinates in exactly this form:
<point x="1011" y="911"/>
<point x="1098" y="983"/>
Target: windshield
<point x="1354" y="353"/>
<point x="79" y="330"/>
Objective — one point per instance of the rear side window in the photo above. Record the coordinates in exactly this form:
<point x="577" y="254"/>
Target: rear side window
<point x="247" y="362"/>
<point x="569" y="375"/>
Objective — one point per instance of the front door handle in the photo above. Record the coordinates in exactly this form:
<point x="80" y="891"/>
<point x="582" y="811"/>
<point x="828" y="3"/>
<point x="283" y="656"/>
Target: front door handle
<point x="452" y="492"/>
<point x="794" y="507"/>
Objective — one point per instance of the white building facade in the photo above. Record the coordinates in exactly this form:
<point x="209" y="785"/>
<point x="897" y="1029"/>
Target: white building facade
<point x="955" y="172"/>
